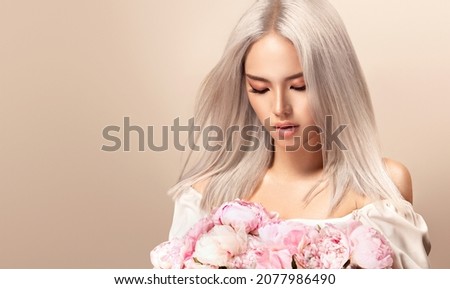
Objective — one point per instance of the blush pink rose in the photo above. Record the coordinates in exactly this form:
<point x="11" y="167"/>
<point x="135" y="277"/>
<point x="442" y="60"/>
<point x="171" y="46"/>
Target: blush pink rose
<point x="242" y="215"/>
<point x="369" y="248"/>
<point x="220" y="245"/>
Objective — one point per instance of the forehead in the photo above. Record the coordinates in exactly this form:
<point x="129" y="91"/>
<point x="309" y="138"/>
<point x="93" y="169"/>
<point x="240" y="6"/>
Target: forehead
<point x="273" y="57"/>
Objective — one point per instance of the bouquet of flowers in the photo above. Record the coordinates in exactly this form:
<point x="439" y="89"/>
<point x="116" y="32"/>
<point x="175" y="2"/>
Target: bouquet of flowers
<point x="243" y="235"/>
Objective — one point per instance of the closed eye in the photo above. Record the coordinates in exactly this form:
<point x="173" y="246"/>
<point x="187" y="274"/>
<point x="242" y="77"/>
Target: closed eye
<point x="259" y="91"/>
<point x="299" y="88"/>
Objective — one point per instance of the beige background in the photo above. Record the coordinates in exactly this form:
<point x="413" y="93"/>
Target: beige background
<point x="70" y="68"/>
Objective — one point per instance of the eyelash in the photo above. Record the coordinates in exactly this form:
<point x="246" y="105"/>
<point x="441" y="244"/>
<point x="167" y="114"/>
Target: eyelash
<point x="259" y="91"/>
<point x="300" y="88"/>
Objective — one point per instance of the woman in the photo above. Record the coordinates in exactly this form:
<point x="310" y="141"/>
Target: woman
<point x="289" y="67"/>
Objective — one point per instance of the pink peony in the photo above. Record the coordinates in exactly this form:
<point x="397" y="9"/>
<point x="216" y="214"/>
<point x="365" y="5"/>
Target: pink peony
<point x="242" y="215"/>
<point x="168" y="255"/>
<point x="324" y="248"/>
<point x="247" y="260"/>
<point x="241" y="235"/>
<point x="273" y="259"/>
<point x="201" y="227"/>
<point x="280" y="235"/>
<point x="220" y="245"/>
<point x="261" y="255"/>
<point x="369" y="249"/>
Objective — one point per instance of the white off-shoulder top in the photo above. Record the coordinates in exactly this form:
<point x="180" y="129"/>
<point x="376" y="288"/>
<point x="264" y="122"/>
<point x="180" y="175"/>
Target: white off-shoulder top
<point x="406" y="232"/>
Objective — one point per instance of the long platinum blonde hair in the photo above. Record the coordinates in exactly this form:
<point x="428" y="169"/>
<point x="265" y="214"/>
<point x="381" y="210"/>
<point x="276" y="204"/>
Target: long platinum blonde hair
<point x="336" y="87"/>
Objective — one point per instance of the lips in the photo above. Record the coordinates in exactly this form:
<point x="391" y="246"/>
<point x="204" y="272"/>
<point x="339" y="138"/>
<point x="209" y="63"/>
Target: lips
<point x="286" y="130"/>
<point x="285" y="125"/>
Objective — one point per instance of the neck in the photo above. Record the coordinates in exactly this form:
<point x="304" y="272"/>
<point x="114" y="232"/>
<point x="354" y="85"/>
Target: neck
<point x="295" y="165"/>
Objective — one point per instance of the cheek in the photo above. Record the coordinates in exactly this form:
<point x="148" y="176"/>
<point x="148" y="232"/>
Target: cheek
<point x="309" y="114"/>
<point x="303" y="110"/>
<point x="260" y="107"/>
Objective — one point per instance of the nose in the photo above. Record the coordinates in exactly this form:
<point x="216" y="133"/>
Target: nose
<point x="281" y="105"/>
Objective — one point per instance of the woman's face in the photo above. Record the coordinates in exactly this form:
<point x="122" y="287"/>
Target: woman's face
<point x="277" y="91"/>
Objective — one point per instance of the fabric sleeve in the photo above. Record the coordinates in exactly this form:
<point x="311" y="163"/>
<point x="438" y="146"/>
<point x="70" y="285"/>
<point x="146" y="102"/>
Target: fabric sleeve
<point x="406" y="232"/>
<point x="186" y="213"/>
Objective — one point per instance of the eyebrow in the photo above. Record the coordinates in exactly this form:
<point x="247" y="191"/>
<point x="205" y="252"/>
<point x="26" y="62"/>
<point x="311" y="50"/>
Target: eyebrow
<point x="297" y="75"/>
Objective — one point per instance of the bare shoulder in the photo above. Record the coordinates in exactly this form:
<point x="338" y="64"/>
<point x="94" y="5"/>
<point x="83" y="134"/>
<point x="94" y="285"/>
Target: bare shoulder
<point x="201" y="185"/>
<point x="401" y="177"/>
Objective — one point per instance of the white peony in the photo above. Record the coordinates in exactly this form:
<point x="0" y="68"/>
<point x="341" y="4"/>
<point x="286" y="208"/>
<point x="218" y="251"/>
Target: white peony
<point x="219" y="245"/>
